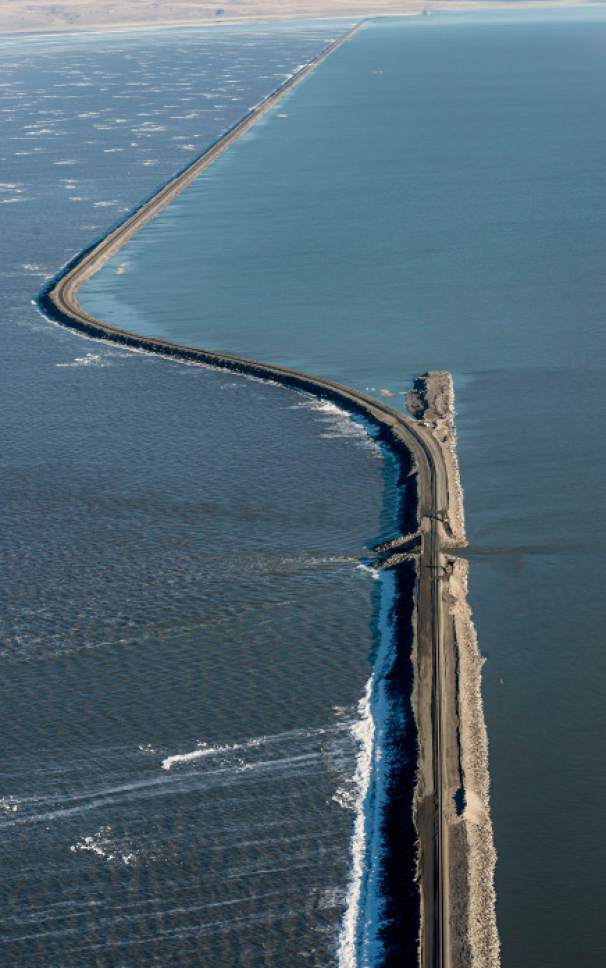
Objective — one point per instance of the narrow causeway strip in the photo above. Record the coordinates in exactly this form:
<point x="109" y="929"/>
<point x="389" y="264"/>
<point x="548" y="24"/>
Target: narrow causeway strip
<point x="444" y="934"/>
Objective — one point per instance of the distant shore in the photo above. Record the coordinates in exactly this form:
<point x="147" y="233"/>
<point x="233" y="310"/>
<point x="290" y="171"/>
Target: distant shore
<point x="81" y="16"/>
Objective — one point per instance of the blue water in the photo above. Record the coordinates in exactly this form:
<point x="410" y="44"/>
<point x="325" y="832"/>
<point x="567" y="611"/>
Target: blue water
<point x="434" y="198"/>
<point x="186" y="632"/>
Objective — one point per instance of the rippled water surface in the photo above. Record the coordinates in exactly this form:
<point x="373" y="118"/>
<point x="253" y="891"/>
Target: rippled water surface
<point x="433" y="196"/>
<point x="186" y="631"/>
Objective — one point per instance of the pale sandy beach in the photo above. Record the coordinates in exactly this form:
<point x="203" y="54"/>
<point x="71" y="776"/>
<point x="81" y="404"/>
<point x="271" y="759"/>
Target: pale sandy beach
<point x="76" y="15"/>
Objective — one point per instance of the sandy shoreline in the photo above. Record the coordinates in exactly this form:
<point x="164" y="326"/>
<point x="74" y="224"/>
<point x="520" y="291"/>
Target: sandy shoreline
<point x="445" y="765"/>
<point x="80" y="16"/>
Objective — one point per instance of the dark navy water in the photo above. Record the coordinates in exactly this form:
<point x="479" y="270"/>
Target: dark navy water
<point x="434" y="197"/>
<point x="187" y="634"/>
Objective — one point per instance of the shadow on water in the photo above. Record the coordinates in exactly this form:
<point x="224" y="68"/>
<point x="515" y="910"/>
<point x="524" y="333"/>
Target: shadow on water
<point x="399" y="932"/>
<point x="389" y="916"/>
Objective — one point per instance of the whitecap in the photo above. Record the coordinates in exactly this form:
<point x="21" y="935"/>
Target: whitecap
<point x="367" y="570"/>
<point x="90" y="359"/>
<point x="340" y="423"/>
<point x="9" y="804"/>
<point x="35" y="270"/>
<point x="101" y="845"/>
<point x="197" y="754"/>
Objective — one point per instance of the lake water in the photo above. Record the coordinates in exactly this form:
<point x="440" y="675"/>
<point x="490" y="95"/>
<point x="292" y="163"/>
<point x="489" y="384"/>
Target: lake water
<point x="433" y="197"/>
<point x="187" y="634"/>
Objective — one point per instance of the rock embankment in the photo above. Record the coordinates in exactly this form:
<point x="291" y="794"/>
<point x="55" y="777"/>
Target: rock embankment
<point x="467" y="847"/>
<point x="432" y="402"/>
<point x="482" y="948"/>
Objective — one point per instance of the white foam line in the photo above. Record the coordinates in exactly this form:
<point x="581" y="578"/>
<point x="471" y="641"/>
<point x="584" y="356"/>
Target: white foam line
<point x="248" y="744"/>
<point x="359" y="946"/>
<point x="363" y="731"/>
<point x="165" y="786"/>
<point x="170" y="761"/>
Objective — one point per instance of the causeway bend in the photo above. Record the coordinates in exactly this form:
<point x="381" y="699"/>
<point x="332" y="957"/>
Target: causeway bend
<point x="436" y="691"/>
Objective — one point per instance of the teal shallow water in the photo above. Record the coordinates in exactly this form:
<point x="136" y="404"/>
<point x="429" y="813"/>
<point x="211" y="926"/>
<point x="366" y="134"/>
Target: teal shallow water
<point x="435" y="197"/>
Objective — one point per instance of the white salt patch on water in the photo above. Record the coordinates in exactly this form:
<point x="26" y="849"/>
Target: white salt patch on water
<point x="148" y="128"/>
<point x="90" y="359"/>
<point x="35" y="270"/>
<point x="345" y="797"/>
<point x="202" y="751"/>
<point x="9" y="804"/>
<point x="101" y="845"/>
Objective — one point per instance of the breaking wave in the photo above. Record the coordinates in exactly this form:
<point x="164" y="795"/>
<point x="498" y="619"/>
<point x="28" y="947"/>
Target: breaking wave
<point x="340" y="423"/>
<point x="359" y="941"/>
<point x="257" y="742"/>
